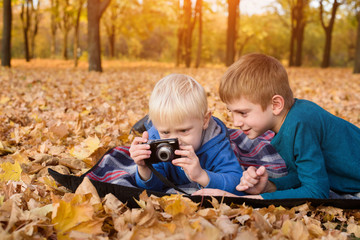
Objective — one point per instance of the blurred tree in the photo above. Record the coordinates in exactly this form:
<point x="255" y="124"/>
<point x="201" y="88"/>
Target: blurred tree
<point x="29" y="16"/>
<point x="95" y="9"/>
<point x="76" y="32"/>
<point x="111" y="20"/>
<point x="200" y="27"/>
<point x="297" y="12"/>
<point x="357" y="52"/>
<point x="180" y="33"/>
<point x="328" y="28"/>
<point x="34" y="30"/>
<point x="185" y="31"/>
<point x="233" y="15"/>
<point x="54" y="12"/>
<point x="66" y="22"/>
<point x="6" y="36"/>
<point x="298" y="23"/>
<point x="189" y="24"/>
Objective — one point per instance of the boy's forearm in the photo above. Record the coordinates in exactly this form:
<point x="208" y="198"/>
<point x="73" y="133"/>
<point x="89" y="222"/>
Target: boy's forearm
<point x="144" y="173"/>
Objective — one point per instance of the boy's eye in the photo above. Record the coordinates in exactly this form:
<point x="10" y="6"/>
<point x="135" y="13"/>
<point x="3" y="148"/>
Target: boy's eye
<point x="164" y="133"/>
<point x="184" y="130"/>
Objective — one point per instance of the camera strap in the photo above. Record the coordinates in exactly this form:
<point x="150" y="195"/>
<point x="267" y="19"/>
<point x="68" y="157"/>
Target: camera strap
<point x="164" y="179"/>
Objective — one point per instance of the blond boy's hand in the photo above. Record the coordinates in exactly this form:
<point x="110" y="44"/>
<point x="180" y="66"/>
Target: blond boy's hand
<point x="139" y="152"/>
<point x="191" y="165"/>
<point x="253" y="181"/>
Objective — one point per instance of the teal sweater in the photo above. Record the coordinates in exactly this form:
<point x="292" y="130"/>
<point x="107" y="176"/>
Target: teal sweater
<point x="321" y="152"/>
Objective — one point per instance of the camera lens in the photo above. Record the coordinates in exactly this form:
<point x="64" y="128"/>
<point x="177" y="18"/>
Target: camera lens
<point x="165" y="153"/>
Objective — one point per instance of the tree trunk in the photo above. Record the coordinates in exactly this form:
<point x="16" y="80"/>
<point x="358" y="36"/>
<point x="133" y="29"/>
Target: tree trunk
<point x="65" y="25"/>
<point x="65" y="41"/>
<point x="110" y="27"/>
<point x="110" y="30"/>
<point x="357" y="53"/>
<point x="112" y="43"/>
<point x="179" y="37"/>
<point x="34" y="30"/>
<point x="327" y="50"/>
<point x="231" y="31"/>
<point x="328" y="32"/>
<point x="198" y="55"/>
<point x="187" y="32"/>
<point x="299" y="44"/>
<point x="292" y="47"/>
<point x="298" y="23"/>
<point x="53" y="26"/>
<point x="6" y="36"/>
<point x="179" y="50"/>
<point x="76" y="33"/>
<point x="25" y="19"/>
<point x="95" y="10"/>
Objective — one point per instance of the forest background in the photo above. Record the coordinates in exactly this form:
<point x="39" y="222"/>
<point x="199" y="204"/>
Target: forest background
<point x="297" y="32"/>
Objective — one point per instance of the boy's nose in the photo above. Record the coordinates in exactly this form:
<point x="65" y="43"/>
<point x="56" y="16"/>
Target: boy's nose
<point x="238" y="122"/>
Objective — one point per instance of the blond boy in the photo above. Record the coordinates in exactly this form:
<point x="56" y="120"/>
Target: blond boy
<point x="178" y="109"/>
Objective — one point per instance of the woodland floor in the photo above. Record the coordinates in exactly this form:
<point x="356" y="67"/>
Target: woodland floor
<point x="55" y="115"/>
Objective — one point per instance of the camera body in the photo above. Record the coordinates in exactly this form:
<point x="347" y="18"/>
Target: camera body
<point x="163" y="150"/>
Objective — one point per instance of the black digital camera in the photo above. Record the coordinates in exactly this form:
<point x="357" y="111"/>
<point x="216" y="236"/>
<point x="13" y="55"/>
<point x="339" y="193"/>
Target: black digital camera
<point x="163" y="150"/>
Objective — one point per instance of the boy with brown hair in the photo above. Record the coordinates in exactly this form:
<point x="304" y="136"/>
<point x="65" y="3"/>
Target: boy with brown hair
<point x="321" y="151"/>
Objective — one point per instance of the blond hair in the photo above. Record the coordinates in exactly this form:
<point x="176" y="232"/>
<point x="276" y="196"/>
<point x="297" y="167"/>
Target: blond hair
<point x="176" y="97"/>
<point x="257" y="78"/>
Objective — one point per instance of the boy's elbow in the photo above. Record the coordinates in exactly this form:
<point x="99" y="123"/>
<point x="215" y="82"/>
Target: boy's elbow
<point x="319" y="192"/>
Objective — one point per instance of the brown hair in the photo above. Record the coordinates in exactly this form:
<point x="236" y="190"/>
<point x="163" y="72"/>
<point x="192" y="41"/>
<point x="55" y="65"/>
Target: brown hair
<point x="256" y="77"/>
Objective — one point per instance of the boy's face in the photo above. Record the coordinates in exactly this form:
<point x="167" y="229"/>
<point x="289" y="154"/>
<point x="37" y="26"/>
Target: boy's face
<point x="251" y="118"/>
<point x="189" y="132"/>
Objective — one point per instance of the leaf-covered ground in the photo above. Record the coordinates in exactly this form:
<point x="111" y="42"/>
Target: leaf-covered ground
<point x="52" y="115"/>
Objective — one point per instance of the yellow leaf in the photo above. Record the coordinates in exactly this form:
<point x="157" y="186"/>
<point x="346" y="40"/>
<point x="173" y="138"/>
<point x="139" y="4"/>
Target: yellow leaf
<point x="92" y="143"/>
<point x="177" y="204"/>
<point x="50" y="182"/>
<point x="10" y="171"/>
<point x="76" y="215"/>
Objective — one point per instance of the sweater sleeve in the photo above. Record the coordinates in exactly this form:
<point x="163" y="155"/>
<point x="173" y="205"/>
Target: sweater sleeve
<point x="224" y="171"/>
<point x="308" y="164"/>
<point x="153" y="183"/>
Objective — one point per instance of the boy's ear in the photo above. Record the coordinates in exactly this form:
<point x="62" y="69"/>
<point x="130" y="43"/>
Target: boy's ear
<point x="278" y="104"/>
<point x="207" y="120"/>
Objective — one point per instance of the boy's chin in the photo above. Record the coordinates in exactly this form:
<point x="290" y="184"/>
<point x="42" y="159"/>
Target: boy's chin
<point x="252" y="136"/>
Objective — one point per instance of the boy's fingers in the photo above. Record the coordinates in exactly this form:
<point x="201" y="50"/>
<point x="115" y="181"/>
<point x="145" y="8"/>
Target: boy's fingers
<point x="142" y="152"/>
<point x="186" y="147"/>
<point x="248" y="180"/>
<point x="138" y="140"/>
<point x="181" y="161"/>
<point x="184" y="153"/>
<point x="145" y="135"/>
<point x="261" y="170"/>
<point x="250" y="173"/>
<point x="242" y="187"/>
